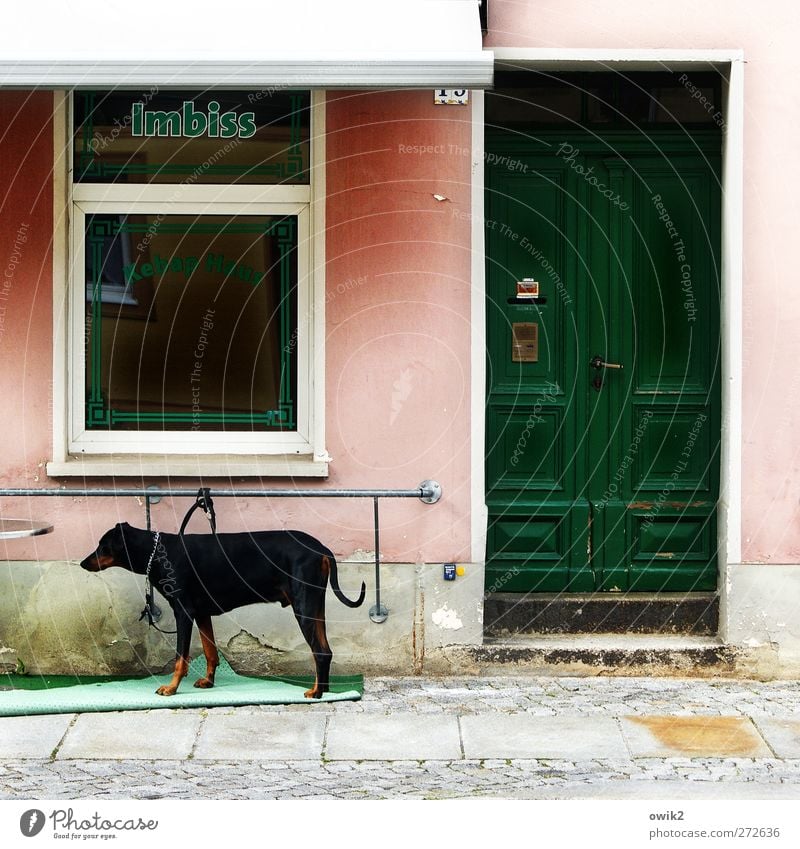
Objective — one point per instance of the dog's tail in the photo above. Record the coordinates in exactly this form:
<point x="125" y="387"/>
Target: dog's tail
<point x="329" y="563"/>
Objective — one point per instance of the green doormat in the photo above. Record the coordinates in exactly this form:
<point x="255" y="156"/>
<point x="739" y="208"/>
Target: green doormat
<point x="28" y="694"/>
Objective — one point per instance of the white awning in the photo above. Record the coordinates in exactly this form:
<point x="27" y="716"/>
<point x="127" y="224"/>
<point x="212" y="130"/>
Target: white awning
<point x="244" y="43"/>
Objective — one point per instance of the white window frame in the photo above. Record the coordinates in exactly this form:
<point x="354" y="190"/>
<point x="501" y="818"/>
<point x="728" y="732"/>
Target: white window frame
<point x="81" y="451"/>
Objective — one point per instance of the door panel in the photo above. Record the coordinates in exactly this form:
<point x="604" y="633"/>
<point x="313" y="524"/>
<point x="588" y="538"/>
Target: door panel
<point x="532" y="407"/>
<point x="597" y="477"/>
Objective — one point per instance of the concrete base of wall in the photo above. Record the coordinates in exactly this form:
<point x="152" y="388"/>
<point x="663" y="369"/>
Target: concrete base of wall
<point x="761" y="611"/>
<point x="56" y="618"/>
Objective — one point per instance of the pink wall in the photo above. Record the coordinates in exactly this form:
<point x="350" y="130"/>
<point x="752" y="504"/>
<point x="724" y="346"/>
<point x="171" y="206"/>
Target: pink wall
<point x="398" y="336"/>
<point x="771" y="378"/>
<point x="26" y="322"/>
<point x="398" y="292"/>
<point x="398" y="340"/>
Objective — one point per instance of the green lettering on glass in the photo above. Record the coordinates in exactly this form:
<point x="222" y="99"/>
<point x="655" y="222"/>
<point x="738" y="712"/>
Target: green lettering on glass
<point x="159" y="123"/>
<point x="191" y="122"/>
<point x="187" y="265"/>
<point x="93" y="141"/>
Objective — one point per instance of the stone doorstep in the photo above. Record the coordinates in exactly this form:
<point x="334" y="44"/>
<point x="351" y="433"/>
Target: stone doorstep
<point x="240" y="735"/>
<point x="600" y="654"/>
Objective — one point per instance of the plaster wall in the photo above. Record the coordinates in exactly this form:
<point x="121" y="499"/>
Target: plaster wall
<point x="397" y="362"/>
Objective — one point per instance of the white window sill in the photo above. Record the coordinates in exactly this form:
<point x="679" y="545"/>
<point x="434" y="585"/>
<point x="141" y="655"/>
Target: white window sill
<point x="190" y="466"/>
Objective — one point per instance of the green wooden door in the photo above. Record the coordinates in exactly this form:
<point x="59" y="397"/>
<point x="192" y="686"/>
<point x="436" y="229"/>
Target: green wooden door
<point x="602" y="478"/>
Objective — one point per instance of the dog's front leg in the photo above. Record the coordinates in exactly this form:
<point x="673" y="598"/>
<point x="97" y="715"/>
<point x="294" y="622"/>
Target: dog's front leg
<point x="209" y="650"/>
<point x="183" y="626"/>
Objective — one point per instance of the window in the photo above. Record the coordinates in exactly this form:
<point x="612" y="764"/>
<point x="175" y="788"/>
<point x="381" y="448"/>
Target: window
<point x="598" y="99"/>
<point x="191" y="329"/>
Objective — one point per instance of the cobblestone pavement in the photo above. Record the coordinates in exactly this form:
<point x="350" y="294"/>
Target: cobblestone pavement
<point x="191" y="778"/>
<point x="519" y="779"/>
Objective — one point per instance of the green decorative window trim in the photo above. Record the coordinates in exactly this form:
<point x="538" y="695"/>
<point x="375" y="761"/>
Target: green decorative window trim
<point x="98" y="413"/>
<point x="90" y="168"/>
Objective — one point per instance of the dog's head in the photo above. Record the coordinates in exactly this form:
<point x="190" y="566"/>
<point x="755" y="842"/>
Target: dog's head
<point x="110" y="551"/>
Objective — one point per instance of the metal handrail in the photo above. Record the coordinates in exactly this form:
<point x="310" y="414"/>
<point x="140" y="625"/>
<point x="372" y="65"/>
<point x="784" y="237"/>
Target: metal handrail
<point x="429" y="492"/>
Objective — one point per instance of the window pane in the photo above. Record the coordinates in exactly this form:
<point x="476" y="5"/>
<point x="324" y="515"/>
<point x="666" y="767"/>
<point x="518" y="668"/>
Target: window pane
<point x="687" y="105"/>
<point x="191" y="322"/>
<point x="537" y="99"/>
<point x="551" y="103"/>
<point x="245" y="137"/>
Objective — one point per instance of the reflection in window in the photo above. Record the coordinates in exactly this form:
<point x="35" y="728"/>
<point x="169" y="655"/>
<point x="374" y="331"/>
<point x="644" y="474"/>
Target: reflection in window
<point x="191" y="322"/>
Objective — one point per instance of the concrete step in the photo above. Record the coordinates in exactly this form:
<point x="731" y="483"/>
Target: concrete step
<point x="511" y="614"/>
<point x="601" y="654"/>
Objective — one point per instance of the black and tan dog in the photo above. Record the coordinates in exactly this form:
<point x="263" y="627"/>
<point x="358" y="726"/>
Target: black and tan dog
<point x="203" y="575"/>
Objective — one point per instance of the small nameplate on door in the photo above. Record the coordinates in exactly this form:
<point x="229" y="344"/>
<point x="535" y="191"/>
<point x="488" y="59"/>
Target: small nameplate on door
<point x="527" y="288"/>
<point x="525" y="342"/>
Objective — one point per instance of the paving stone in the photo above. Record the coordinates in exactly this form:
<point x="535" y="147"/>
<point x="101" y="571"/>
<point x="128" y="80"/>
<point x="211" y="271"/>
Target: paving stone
<point x="782" y="735"/>
<point x="32" y="736"/>
<point x="396" y="736"/>
<point x="132" y="735"/>
<point x="694" y="736"/>
<point x="261" y="737"/>
<point x="431" y="702"/>
<point x="525" y="736"/>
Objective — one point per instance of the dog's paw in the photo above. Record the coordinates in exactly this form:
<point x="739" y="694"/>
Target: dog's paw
<point x="166" y="690"/>
<point x="316" y="693"/>
<point x="204" y="683"/>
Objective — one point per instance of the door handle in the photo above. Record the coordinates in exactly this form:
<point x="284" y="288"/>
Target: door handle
<point x="598" y="363"/>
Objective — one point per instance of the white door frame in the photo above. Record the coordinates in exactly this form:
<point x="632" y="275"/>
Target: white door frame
<point x="731" y="63"/>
